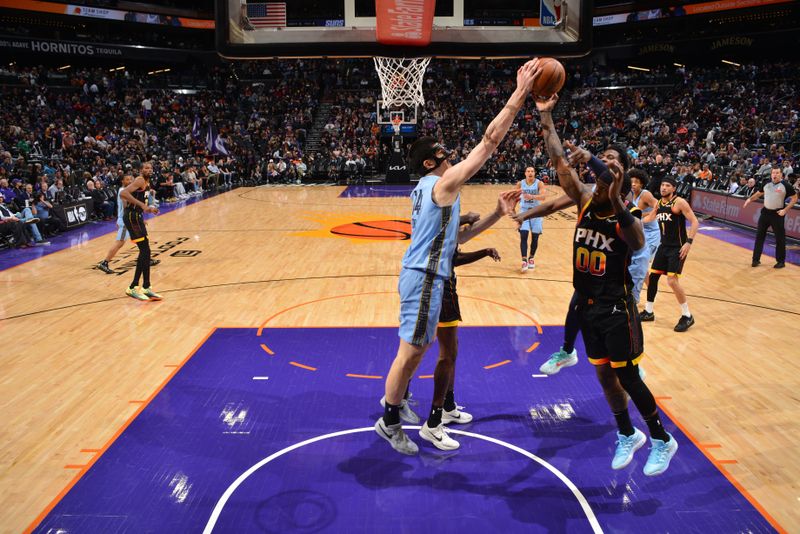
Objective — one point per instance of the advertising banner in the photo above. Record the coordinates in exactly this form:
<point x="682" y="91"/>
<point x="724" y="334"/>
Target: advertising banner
<point x="728" y="208"/>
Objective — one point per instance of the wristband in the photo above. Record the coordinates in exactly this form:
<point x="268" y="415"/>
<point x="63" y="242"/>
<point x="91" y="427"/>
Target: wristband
<point x="626" y="219"/>
<point x="690" y="240"/>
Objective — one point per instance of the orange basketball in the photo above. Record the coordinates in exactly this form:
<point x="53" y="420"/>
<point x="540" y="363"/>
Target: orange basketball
<point x="551" y="80"/>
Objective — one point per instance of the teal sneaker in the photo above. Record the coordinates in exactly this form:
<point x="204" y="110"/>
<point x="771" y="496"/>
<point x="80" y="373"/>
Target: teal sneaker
<point x="136" y="293"/>
<point x="559" y="360"/>
<point x="626" y="446"/>
<point x="660" y="455"/>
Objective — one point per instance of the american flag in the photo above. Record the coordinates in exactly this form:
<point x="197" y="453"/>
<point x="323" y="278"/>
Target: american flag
<point x="267" y="15"/>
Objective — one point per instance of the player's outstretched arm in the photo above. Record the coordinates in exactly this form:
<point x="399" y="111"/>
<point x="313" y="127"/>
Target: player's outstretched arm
<point x="505" y="206"/>
<point x="465" y="258"/>
<point x="630" y="228"/>
<point x="544" y="209"/>
<point x="447" y="188"/>
<point x="567" y="177"/>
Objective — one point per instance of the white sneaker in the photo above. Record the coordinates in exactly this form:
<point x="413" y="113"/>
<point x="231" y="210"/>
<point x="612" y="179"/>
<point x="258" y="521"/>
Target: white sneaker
<point x="439" y="437"/>
<point x="396" y="437"/>
<point x="626" y="446"/>
<point x="559" y="360"/>
<point x="524" y="266"/>
<point x="531" y="264"/>
<point x="406" y="413"/>
<point x="456" y="416"/>
<point x="660" y="455"/>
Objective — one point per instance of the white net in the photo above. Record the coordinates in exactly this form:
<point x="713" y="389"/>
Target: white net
<point x="401" y="79"/>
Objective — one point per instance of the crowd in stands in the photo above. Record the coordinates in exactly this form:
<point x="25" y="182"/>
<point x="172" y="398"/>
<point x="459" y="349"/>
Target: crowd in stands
<point x="75" y="132"/>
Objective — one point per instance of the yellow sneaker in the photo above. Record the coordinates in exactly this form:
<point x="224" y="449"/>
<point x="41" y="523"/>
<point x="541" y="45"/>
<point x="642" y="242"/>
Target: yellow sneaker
<point x="135" y="293"/>
<point x="152" y="295"/>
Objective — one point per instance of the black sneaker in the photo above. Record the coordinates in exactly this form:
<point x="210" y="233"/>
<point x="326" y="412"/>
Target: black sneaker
<point x="684" y="323"/>
<point x="755" y="263"/>
<point x="103" y="266"/>
<point x="647" y="316"/>
<point x="779" y="265"/>
<point x="154" y="262"/>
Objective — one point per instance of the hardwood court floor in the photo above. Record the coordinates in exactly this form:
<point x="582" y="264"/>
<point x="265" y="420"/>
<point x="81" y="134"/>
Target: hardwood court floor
<point x="79" y="357"/>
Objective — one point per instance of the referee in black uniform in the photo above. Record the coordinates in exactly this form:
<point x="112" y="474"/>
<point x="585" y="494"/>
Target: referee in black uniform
<point x="772" y="215"/>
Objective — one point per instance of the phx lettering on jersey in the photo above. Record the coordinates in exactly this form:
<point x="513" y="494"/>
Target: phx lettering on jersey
<point x="594" y="239"/>
<point x="664" y="217"/>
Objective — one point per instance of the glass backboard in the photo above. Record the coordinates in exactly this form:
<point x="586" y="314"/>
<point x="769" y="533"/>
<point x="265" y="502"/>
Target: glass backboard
<point x="346" y="28"/>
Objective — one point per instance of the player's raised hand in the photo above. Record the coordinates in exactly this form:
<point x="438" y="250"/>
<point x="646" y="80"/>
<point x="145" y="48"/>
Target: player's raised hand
<point x="507" y="200"/>
<point x="527" y="75"/>
<point x="546" y="104"/>
<point x="577" y="154"/>
<point x="470" y="218"/>
<point x="615" y="189"/>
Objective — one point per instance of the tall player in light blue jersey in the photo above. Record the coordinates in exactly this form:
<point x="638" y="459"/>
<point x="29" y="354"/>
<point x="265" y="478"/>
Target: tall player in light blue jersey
<point x="646" y="202"/>
<point x="435" y="210"/>
<point x="532" y="194"/>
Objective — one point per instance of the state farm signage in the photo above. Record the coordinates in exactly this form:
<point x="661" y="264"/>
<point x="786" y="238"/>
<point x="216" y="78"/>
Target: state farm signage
<point x="732" y="209"/>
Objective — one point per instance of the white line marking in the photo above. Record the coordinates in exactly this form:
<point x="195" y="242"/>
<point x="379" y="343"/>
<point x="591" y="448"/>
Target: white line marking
<point x="236" y="432"/>
<point x="539" y="376"/>
<point x="212" y="521"/>
<point x="260" y="378"/>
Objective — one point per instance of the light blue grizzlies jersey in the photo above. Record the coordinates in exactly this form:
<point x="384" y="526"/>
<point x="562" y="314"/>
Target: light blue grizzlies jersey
<point x="434" y="231"/>
<point x="649" y="227"/>
<point x="532" y="189"/>
<point x="535" y="224"/>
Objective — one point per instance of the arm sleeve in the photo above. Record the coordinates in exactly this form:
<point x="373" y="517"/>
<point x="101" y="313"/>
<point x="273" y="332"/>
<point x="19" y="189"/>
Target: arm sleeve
<point x="599" y="169"/>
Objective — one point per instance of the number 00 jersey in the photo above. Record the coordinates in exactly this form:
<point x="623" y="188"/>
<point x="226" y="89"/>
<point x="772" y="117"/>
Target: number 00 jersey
<point x="600" y="257"/>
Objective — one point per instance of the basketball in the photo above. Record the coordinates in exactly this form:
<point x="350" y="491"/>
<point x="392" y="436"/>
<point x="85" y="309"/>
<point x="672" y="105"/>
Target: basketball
<point x="551" y="80"/>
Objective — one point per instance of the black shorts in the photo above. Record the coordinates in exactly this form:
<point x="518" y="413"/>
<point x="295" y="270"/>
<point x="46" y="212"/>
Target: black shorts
<point x="667" y="261"/>
<point x="134" y="223"/>
<point x="451" y="313"/>
<point x="611" y="331"/>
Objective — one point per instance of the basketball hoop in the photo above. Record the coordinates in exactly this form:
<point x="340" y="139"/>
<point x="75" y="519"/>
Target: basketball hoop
<point x="401" y="80"/>
<point x="397" y="120"/>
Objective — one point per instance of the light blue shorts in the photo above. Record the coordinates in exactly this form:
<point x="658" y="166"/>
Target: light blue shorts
<point x="122" y="232"/>
<point x="640" y="262"/>
<point x="532" y="225"/>
<point x="652" y="240"/>
<point x="420" y="304"/>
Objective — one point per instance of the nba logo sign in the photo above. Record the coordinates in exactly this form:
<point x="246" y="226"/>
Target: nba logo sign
<point x="550" y="12"/>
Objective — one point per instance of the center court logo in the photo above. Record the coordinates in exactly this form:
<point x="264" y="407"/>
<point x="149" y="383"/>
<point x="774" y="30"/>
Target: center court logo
<point x="391" y="230"/>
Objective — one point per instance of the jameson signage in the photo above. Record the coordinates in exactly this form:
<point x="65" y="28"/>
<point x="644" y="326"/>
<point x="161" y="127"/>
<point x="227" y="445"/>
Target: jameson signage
<point x="91" y="50"/>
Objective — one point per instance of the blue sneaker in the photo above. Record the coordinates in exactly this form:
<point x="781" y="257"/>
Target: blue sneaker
<point x="660" y="455"/>
<point x="559" y="360"/>
<point x="626" y="446"/>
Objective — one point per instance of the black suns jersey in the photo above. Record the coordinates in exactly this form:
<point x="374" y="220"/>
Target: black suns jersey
<point x="600" y="257"/>
<point x="141" y="196"/>
<point x="672" y="225"/>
